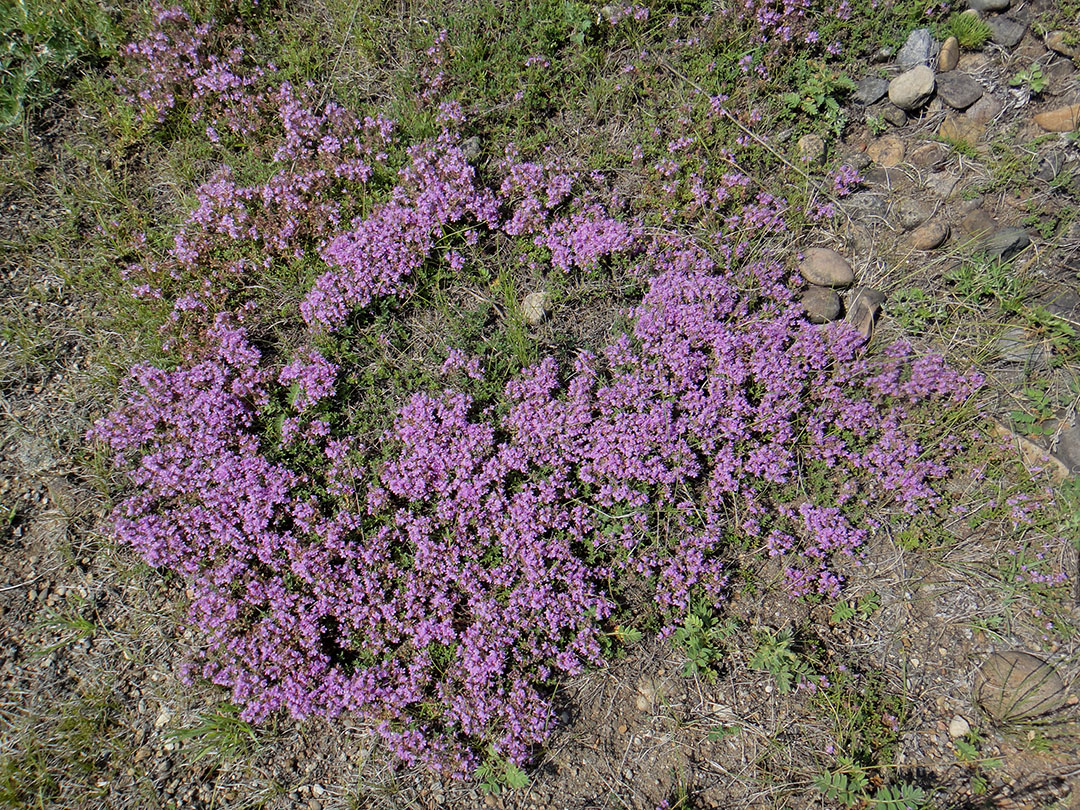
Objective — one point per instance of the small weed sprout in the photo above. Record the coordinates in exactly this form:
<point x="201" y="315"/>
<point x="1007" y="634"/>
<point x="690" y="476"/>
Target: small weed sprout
<point x="1032" y="78"/>
<point x="968" y="754"/>
<point x="867" y="605"/>
<point x="497" y="773"/>
<point x="701" y="638"/>
<point x="8" y="513"/>
<point x="1036" y="412"/>
<point x="848" y="784"/>
<point x="1061" y="335"/>
<point x="776" y="655"/>
<point x="915" y="309"/>
<point x="817" y="94"/>
<point x="901" y="796"/>
<point x="876" y="123"/>
<point x="986" y="281"/>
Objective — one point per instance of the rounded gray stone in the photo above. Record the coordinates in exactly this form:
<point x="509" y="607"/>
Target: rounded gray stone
<point x="1004" y="243"/>
<point x="911" y="90"/>
<point x="825" y="268"/>
<point x="1017" y="346"/>
<point x="911" y="212"/>
<point x="958" y="727"/>
<point x="1058" y="41"/>
<point x="894" y="115"/>
<point x="984" y="110"/>
<point x="958" y="90"/>
<point x="863" y="306"/>
<point x="1005" y="31"/>
<point x="1050" y="165"/>
<point x="821" y="304"/>
<point x="871" y="90"/>
<point x="864" y="205"/>
<point x="942" y="184"/>
<point x="989" y="5"/>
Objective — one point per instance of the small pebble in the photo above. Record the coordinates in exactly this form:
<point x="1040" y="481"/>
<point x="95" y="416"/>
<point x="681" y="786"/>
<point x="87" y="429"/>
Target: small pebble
<point x="535" y="307"/>
<point x="958" y="727"/>
<point x="929" y="236"/>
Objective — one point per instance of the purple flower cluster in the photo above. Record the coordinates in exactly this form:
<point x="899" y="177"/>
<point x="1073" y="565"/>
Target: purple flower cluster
<point x="845" y="180"/>
<point x="433" y="586"/>
<point x="618" y="12"/>
<point x="773" y="22"/>
<point x="581" y="239"/>
<point x="167" y="62"/>
<point x="476" y="569"/>
<point x="238" y="231"/>
<point x="375" y="258"/>
<point x="314" y="377"/>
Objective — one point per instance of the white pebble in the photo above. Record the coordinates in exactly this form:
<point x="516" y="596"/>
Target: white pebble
<point x="958" y="727"/>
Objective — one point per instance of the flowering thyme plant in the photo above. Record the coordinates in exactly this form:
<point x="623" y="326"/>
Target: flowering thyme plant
<point x="436" y="585"/>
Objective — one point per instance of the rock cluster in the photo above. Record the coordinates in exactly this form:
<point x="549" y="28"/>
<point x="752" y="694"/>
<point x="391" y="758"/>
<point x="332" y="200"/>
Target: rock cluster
<point x="924" y="193"/>
<point x="824" y="269"/>
<point x="927" y="76"/>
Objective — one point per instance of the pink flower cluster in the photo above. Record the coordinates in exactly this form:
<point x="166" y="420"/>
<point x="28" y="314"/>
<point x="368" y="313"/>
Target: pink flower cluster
<point x="314" y="377"/>
<point x="436" y="585"/>
<point x="167" y="62"/>
<point x="237" y="232"/>
<point x="376" y="257"/>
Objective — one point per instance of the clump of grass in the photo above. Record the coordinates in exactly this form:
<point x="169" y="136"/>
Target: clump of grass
<point x="220" y="732"/>
<point x="64" y="754"/>
<point x="42" y="41"/>
<point x="971" y="32"/>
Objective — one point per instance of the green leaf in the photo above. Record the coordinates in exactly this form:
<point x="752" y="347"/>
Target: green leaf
<point x="514" y="777"/>
<point x="628" y="635"/>
<point x="842" y="612"/>
<point x="966" y="750"/>
<point x="869" y="604"/>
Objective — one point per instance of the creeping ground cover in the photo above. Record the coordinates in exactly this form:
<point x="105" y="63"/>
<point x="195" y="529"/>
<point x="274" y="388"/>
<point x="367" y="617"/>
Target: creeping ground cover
<point x="436" y="579"/>
<point x="537" y="405"/>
